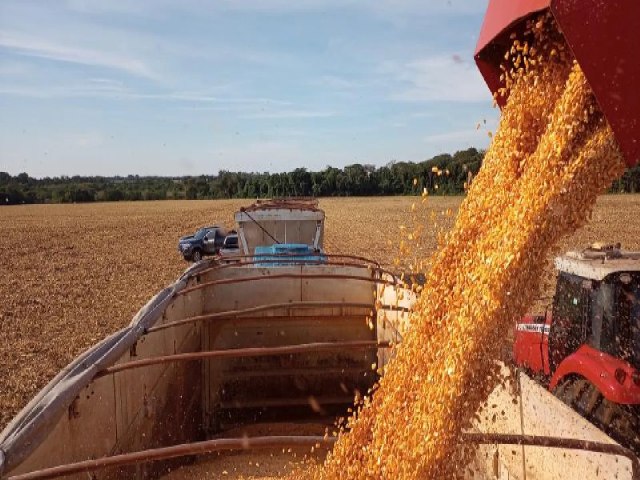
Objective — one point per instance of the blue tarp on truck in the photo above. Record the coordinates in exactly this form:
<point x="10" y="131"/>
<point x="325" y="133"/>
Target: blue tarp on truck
<point x="282" y="254"/>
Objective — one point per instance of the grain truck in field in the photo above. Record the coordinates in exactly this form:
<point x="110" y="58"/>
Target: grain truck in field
<point x="279" y="330"/>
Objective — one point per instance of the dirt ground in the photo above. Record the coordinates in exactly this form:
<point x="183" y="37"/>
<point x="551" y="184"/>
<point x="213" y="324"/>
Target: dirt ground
<point x="73" y="274"/>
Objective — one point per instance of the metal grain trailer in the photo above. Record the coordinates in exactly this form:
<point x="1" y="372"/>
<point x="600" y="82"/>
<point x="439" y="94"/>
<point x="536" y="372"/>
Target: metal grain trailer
<point x="281" y="328"/>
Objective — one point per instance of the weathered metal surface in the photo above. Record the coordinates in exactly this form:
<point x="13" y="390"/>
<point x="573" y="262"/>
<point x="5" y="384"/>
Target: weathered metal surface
<point x="177" y="451"/>
<point x="555" y="442"/>
<point x="524" y="408"/>
<point x="297" y="295"/>
<point x="339" y="259"/>
<point x="262" y="226"/>
<point x="240" y="353"/>
<point x="277" y="276"/>
<point x="244" y="444"/>
<point x="168" y="402"/>
<point x="501" y="17"/>
<point x="160" y="405"/>
<point x="244" y="312"/>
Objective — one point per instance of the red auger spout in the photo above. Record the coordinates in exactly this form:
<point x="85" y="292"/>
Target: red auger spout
<point x="604" y="36"/>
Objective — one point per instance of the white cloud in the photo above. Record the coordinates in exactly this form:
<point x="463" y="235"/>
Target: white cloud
<point x="440" y="78"/>
<point x="116" y="90"/>
<point x="200" y="97"/>
<point x="289" y="113"/>
<point x="243" y="74"/>
<point x="83" y="139"/>
<point x="37" y="47"/>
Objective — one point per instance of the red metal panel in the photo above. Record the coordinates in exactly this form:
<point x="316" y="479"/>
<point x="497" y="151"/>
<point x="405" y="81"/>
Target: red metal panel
<point x="531" y="344"/>
<point x="502" y="17"/>
<point x="604" y="36"/>
<point x="599" y="369"/>
<point x="605" y="39"/>
<point x="501" y="14"/>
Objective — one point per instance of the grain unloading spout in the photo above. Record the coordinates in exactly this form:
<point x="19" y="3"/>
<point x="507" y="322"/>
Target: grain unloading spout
<point x="603" y="35"/>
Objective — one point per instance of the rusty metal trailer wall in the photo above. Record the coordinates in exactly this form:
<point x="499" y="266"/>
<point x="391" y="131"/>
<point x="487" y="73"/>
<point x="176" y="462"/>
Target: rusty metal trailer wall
<point x="74" y="418"/>
<point x="522" y="407"/>
<point x="285" y="225"/>
<point x="393" y="311"/>
<point x="314" y="380"/>
<point x="90" y="412"/>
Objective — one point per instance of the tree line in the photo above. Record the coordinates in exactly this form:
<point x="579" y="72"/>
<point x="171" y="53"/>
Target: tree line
<point x="441" y="175"/>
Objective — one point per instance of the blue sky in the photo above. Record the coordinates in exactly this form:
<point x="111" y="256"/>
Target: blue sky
<point x="105" y="87"/>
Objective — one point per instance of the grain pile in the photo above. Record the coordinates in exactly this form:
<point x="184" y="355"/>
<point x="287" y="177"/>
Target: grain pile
<point x="267" y="464"/>
<point x="553" y="154"/>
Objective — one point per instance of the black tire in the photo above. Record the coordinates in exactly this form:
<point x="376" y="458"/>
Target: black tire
<point x="196" y="256"/>
<point x="564" y="391"/>
<point x="579" y="394"/>
<point x="620" y="422"/>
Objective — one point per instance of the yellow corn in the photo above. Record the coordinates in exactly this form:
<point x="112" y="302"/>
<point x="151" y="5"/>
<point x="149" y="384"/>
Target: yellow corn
<point x="552" y="154"/>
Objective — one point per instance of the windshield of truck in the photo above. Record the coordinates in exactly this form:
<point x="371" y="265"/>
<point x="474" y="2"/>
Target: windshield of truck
<point x="200" y="234"/>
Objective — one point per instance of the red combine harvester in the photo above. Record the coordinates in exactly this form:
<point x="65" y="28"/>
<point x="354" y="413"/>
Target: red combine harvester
<point x="586" y="348"/>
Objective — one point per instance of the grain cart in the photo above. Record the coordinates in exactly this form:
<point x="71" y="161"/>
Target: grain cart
<point x="278" y="330"/>
<point x="603" y="37"/>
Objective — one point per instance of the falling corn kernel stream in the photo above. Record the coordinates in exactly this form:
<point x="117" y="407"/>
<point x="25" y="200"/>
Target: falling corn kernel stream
<point x="552" y="154"/>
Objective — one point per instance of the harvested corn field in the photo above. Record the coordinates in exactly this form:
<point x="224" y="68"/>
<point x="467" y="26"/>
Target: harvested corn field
<point x="72" y="274"/>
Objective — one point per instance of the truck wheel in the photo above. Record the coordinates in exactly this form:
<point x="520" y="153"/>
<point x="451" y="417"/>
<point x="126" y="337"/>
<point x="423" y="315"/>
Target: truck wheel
<point x="588" y="400"/>
<point x="580" y="395"/>
<point x="196" y="256"/>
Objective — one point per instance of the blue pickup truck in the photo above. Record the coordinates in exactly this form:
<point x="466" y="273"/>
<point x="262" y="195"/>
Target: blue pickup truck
<point x="206" y="241"/>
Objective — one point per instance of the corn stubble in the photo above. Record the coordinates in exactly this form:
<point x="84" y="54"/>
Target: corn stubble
<point x="551" y="157"/>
